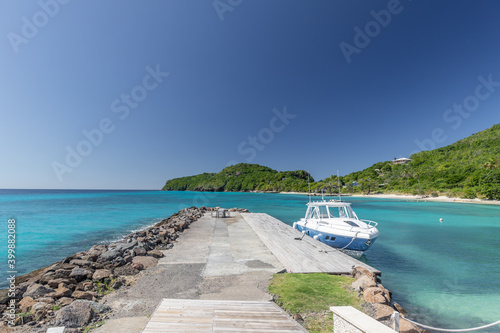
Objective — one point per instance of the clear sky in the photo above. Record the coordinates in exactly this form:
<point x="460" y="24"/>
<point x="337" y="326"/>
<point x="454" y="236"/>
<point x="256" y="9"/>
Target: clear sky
<point x="126" y="94"/>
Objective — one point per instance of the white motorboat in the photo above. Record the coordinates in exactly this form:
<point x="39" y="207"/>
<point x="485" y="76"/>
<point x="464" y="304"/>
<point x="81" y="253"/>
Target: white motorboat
<point x="336" y="224"/>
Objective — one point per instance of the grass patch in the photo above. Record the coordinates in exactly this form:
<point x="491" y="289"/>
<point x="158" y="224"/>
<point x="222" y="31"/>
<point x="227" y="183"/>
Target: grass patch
<point x="88" y="328"/>
<point x="312" y="295"/>
<point x="104" y="288"/>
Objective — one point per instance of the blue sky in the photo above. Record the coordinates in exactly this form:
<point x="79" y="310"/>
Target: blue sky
<point x="127" y="94"/>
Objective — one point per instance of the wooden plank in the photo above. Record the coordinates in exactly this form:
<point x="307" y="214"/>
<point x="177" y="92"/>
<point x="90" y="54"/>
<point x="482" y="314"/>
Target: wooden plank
<point x="174" y="315"/>
<point x="300" y="256"/>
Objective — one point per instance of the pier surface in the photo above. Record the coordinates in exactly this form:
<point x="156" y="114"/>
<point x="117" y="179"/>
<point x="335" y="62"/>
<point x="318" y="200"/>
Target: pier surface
<point x="220" y="316"/>
<point x="306" y="255"/>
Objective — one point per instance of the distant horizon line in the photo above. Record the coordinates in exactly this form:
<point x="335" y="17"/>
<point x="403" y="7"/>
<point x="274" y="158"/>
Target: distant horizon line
<point x="74" y="189"/>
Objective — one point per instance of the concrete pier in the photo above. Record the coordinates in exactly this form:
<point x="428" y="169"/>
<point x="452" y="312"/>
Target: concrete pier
<point x="220" y="259"/>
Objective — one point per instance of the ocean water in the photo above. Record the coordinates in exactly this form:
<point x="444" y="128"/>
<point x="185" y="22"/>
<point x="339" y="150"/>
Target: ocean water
<point x="446" y="274"/>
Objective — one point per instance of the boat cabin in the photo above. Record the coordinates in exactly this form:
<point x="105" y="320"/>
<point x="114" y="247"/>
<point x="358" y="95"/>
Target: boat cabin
<point x="329" y="210"/>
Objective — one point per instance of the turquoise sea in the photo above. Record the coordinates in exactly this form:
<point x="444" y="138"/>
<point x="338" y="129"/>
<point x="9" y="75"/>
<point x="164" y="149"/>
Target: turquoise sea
<point x="445" y="274"/>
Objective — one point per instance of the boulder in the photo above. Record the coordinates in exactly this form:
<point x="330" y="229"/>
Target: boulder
<point x="363" y="283"/>
<point x="94" y="252"/>
<point x="140" y="251"/>
<point x="46" y="300"/>
<point x="80" y="274"/>
<point x="77" y="314"/>
<point x="109" y="255"/>
<point x="101" y="274"/>
<point x="126" y="246"/>
<point x="62" y="291"/>
<point x="63" y="266"/>
<point x="387" y="293"/>
<point x="64" y="301"/>
<point x="156" y="254"/>
<point x="55" y="283"/>
<point x="47" y="277"/>
<point x="407" y="327"/>
<point x="80" y="262"/>
<point x="4" y="296"/>
<point x="382" y="311"/>
<point x="80" y="294"/>
<point x="37" y="290"/>
<point x="119" y="261"/>
<point x="146" y="261"/>
<point x="40" y="306"/>
<point x="85" y="286"/>
<point x="375" y="295"/>
<point x="63" y="273"/>
<point x="359" y="271"/>
<point x="137" y="266"/>
<point x="399" y="308"/>
<point x="125" y="270"/>
<point x="25" y="304"/>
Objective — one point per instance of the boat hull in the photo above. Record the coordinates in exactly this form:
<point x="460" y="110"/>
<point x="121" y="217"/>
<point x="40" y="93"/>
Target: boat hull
<point x="337" y="241"/>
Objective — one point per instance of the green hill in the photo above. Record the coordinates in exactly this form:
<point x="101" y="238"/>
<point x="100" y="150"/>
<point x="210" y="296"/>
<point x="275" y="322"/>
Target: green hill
<point x="468" y="168"/>
<point x="242" y="177"/>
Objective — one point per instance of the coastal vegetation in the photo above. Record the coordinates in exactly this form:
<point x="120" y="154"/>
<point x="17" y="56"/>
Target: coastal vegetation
<point x="469" y="168"/>
<point x="310" y="296"/>
<point x="243" y="177"/>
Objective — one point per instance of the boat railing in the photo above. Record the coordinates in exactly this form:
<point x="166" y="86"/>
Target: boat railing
<point x="371" y="224"/>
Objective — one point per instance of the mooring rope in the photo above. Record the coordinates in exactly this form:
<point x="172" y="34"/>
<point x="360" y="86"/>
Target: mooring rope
<point x="453" y="330"/>
<point x="352" y="240"/>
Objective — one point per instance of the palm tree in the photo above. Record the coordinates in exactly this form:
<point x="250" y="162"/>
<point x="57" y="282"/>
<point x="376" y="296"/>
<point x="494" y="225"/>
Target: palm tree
<point x="405" y="174"/>
<point x="491" y="165"/>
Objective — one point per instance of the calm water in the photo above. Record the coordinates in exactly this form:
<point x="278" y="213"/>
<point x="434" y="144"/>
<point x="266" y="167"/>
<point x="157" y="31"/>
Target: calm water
<point x="445" y="274"/>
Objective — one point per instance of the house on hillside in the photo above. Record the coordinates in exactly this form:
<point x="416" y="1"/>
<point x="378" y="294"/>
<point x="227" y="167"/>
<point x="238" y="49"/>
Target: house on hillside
<point x="402" y="160"/>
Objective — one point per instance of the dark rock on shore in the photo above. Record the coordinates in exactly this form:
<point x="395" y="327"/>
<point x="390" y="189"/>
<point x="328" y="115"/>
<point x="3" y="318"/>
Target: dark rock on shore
<point x="65" y="293"/>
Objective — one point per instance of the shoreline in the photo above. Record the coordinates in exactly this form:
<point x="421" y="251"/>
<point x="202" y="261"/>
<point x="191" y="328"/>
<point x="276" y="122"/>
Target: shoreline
<point x="411" y="197"/>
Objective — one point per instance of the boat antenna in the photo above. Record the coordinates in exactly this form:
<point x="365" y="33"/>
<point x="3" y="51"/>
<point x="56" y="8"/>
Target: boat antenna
<point x="322" y="196"/>
<point x="338" y="184"/>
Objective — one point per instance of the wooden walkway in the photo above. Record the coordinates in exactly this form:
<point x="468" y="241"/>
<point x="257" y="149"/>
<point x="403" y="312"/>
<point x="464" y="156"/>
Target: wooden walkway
<point x="300" y="256"/>
<point x="183" y="315"/>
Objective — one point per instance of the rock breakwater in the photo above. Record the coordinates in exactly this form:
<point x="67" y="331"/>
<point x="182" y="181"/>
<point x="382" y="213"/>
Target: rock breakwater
<point x="66" y="293"/>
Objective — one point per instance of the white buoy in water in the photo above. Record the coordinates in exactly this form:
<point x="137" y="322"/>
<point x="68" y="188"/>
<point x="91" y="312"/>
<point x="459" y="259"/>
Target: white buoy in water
<point x="441" y="220"/>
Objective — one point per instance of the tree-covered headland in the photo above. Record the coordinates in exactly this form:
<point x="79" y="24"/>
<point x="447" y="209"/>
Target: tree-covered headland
<point x="469" y="168"/>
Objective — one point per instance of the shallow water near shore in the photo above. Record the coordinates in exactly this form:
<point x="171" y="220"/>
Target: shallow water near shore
<point x="446" y="274"/>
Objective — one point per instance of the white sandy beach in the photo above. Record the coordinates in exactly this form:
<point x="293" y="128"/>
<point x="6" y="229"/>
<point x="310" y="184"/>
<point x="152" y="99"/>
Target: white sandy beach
<point x="413" y="197"/>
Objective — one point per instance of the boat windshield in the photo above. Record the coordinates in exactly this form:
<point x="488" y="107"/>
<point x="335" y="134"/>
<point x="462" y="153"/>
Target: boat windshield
<point x="312" y="213"/>
<point x="319" y="212"/>
<point x="346" y="211"/>
<point x="324" y="212"/>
